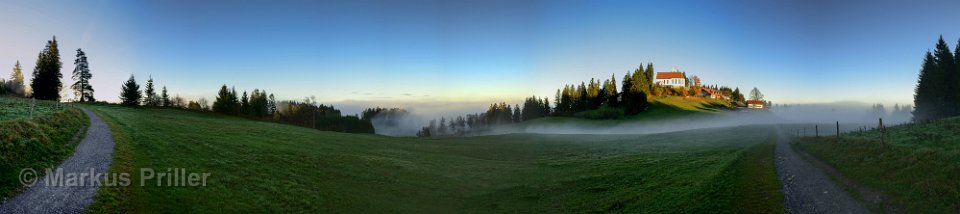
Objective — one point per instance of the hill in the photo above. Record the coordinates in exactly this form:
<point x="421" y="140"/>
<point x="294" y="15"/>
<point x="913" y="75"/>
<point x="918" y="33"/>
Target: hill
<point x="260" y="166"/>
<point x="663" y="107"/>
<point x="916" y="165"/>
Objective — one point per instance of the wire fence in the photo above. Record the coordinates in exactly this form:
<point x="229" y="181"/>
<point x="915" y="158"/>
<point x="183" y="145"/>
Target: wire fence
<point x="839" y="130"/>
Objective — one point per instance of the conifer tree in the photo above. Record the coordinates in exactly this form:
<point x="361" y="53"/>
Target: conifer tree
<point x="15" y="84"/>
<point x="81" y="74"/>
<point x="516" y="113"/>
<point x="224" y="103"/>
<point x="164" y="97"/>
<point x="947" y="85"/>
<point x="244" y="104"/>
<point x="46" y="83"/>
<point x="925" y="97"/>
<point x="130" y="92"/>
<point x="649" y="74"/>
<point x="151" y="94"/>
<point x="611" y="92"/>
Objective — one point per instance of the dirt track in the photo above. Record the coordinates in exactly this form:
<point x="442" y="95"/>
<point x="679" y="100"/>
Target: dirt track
<point x="806" y="188"/>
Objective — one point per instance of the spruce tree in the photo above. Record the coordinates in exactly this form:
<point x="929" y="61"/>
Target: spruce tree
<point x="946" y="85"/>
<point x="516" y="113"/>
<point x="222" y="103"/>
<point x="130" y="92"/>
<point x="81" y="73"/>
<point x="46" y="83"/>
<point x="151" y="94"/>
<point x="611" y="92"/>
<point x="234" y="102"/>
<point x="244" y="104"/>
<point x="925" y="94"/>
<point x="164" y="98"/>
<point x="649" y="74"/>
<point x="15" y="84"/>
<point x="625" y="93"/>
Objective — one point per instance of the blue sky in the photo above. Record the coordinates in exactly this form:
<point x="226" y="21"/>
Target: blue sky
<point x="465" y="53"/>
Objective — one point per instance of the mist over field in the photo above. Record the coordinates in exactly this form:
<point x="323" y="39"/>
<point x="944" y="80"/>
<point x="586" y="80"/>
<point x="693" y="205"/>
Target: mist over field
<point x="851" y="115"/>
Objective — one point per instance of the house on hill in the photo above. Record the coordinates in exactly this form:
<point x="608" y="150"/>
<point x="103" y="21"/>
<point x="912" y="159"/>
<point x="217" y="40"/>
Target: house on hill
<point x="755" y="103"/>
<point x="673" y="78"/>
<point x="713" y="94"/>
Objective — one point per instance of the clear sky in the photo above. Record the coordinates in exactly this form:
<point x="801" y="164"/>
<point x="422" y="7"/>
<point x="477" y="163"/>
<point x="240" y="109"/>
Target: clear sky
<point x="463" y="54"/>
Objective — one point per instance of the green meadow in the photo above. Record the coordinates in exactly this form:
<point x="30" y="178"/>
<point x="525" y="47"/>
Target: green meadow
<point x="270" y="167"/>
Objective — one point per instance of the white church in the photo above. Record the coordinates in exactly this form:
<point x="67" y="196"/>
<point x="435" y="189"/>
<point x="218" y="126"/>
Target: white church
<point x="673" y="78"/>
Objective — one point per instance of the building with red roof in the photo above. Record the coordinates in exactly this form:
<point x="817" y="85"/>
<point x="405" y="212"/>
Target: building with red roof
<point x="673" y="78"/>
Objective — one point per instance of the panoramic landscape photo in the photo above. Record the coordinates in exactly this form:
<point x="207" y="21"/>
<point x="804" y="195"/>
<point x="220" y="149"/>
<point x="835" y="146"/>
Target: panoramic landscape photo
<point x="479" y="106"/>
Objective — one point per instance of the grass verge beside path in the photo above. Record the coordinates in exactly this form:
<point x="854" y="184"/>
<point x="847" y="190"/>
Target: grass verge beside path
<point x="115" y="199"/>
<point x="38" y="144"/>
<point x="917" y="167"/>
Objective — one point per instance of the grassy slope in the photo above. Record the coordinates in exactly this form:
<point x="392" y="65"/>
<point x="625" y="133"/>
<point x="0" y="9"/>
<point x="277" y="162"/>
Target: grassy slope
<point x="660" y="108"/>
<point x="267" y="166"/>
<point x="919" y="166"/>
<point x="37" y="143"/>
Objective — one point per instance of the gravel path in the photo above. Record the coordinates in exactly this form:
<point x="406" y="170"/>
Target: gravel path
<point x="93" y="154"/>
<point x="806" y="188"/>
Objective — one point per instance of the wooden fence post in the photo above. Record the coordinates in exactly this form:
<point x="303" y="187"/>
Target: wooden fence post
<point x="883" y="132"/>
<point x="838" y="131"/>
<point x="32" y="103"/>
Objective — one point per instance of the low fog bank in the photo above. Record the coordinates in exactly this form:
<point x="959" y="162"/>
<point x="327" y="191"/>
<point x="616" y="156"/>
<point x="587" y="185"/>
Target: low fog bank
<point x="850" y="115"/>
<point x="397" y="124"/>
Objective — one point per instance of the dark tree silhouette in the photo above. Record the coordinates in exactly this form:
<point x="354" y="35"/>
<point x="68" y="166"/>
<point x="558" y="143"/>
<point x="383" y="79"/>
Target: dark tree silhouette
<point x="164" y="97"/>
<point x="226" y="101"/>
<point x="81" y="73"/>
<point x="46" y="83"/>
<point x="130" y="93"/>
<point x="938" y="84"/>
<point x="150" y="94"/>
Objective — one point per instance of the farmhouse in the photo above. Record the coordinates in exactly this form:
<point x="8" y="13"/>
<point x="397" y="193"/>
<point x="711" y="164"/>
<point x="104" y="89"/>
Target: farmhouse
<point x="673" y="78"/>
<point x="755" y="103"/>
<point x="713" y="94"/>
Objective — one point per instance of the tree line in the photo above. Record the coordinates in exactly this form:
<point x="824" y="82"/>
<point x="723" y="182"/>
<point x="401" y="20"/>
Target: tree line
<point x="937" y="94"/>
<point x="257" y="104"/>
<point x="600" y="97"/>
<point x="46" y="83"/>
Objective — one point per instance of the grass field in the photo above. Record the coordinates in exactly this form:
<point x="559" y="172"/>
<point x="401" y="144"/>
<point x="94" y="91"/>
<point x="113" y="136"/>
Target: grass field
<point x="37" y="143"/>
<point x="14" y="108"/>
<point x="919" y="165"/>
<point x="258" y="166"/>
<point x="661" y="108"/>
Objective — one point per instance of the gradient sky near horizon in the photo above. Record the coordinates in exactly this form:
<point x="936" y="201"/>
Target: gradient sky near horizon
<point x="463" y="54"/>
